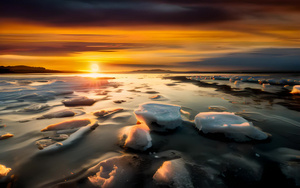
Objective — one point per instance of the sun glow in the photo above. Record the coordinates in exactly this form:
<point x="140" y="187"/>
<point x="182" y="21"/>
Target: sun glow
<point x="94" y="68"/>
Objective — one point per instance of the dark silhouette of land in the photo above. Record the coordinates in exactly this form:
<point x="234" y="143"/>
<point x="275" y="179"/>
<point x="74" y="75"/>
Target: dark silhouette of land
<point x="28" y="69"/>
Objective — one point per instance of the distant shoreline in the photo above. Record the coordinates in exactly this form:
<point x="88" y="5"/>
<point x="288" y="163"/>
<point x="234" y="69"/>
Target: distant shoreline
<point x="21" y="69"/>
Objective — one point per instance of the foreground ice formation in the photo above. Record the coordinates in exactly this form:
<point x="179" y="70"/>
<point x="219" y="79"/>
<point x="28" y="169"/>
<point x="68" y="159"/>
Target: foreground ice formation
<point x="160" y="117"/>
<point x="58" y="114"/>
<point x="5" y="136"/>
<point x="231" y="125"/>
<point x="69" y="124"/>
<point x="80" y="101"/>
<point x="136" y="137"/>
<point x="114" y="172"/>
<point x="107" y="112"/>
<point x="296" y="89"/>
<point x="4" y="171"/>
<point x="173" y="174"/>
<point x="63" y="140"/>
<point x="35" y="108"/>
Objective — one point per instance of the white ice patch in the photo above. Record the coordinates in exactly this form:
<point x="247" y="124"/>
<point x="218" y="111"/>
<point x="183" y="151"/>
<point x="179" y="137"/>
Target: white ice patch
<point x="136" y="137"/>
<point x="165" y="115"/>
<point x="173" y="174"/>
<point x="231" y="125"/>
<point x="296" y="89"/>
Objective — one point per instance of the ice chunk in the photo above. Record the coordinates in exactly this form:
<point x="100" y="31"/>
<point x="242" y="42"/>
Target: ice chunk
<point x="70" y="124"/>
<point x="80" y="101"/>
<point x="67" y="141"/>
<point x="119" y="101"/>
<point x="296" y="89"/>
<point x="4" y="171"/>
<point x="136" y="137"/>
<point x="114" y="172"/>
<point x="155" y="97"/>
<point x="58" y="114"/>
<point x="35" y="108"/>
<point x="173" y="174"/>
<point x="164" y="115"/>
<point x="5" y="136"/>
<point x="217" y="108"/>
<point x="107" y="112"/>
<point x="64" y="92"/>
<point x="233" y="126"/>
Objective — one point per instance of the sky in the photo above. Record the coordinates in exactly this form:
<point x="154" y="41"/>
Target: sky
<point x="124" y="35"/>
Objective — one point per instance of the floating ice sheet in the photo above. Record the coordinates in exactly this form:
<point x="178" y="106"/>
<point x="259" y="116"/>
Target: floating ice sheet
<point x="231" y="125"/>
<point x="164" y="115"/>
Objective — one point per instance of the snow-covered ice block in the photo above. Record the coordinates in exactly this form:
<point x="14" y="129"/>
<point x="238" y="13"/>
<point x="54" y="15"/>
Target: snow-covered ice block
<point x="166" y="116"/>
<point x="70" y="124"/>
<point x="173" y="174"/>
<point x="231" y="125"/>
<point x="136" y="137"/>
<point x="296" y="89"/>
<point x="80" y="101"/>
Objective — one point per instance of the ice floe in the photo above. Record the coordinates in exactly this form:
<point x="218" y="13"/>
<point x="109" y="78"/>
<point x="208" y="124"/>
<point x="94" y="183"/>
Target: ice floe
<point x="231" y="125"/>
<point x="4" y="171"/>
<point x="158" y="116"/>
<point x="58" y="114"/>
<point x="136" y="137"/>
<point x="107" y="112"/>
<point x="34" y="108"/>
<point x="5" y="136"/>
<point x="217" y="108"/>
<point x="66" y="140"/>
<point x="296" y="89"/>
<point x="69" y="124"/>
<point x="173" y="173"/>
<point x="80" y="101"/>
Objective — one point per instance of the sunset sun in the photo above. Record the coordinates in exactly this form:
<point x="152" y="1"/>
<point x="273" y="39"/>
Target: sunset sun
<point x="94" y="68"/>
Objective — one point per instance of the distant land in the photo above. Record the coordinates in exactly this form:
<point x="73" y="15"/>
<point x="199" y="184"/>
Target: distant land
<point x="19" y="69"/>
<point x="195" y="72"/>
<point x="28" y="69"/>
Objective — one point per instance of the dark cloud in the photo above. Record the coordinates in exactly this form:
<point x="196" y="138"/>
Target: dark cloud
<point x="62" y="48"/>
<point x="101" y="13"/>
<point x="274" y="59"/>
